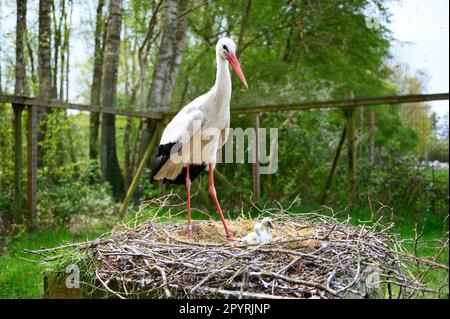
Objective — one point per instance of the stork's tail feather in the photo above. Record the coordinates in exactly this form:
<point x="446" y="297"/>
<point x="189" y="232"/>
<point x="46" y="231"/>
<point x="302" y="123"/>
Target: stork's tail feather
<point x="164" y="152"/>
<point x="194" y="171"/>
<point x="162" y="157"/>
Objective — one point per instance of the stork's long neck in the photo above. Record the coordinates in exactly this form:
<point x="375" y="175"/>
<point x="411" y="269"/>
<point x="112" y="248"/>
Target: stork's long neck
<point x="222" y="87"/>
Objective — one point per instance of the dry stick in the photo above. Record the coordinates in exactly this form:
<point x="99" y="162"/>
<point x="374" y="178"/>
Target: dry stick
<point x="296" y="260"/>
<point x="358" y="269"/>
<point x="425" y="261"/>
<point x="435" y="257"/>
<point x="82" y="245"/>
<point x="401" y="284"/>
<point x="207" y="278"/>
<point x="297" y="281"/>
<point x="295" y="253"/>
<point x="416" y="242"/>
<point x="237" y="293"/>
<point x="164" y="278"/>
<point x="106" y="286"/>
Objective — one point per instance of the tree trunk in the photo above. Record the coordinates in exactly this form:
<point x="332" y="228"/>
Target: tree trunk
<point x="32" y="68"/>
<point x="108" y="156"/>
<point x="96" y="83"/>
<point x="64" y="48"/>
<point x="1" y="15"/>
<point x="167" y="64"/>
<point x="58" y="66"/>
<point x="169" y="54"/>
<point x="128" y="126"/>
<point x="144" y="50"/>
<point x="57" y="25"/>
<point x="140" y="85"/>
<point x="19" y="88"/>
<point x="68" y="51"/>
<point x="44" y="70"/>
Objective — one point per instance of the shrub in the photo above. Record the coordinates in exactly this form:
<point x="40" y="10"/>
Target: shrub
<point x="59" y="201"/>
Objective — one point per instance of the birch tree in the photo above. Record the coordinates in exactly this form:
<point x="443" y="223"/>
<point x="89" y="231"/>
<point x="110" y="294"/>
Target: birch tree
<point x="108" y="155"/>
<point x="168" y="61"/>
<point x="94" y="119"/>
<point x="19" y="89"/>
<point x="139" y="86"/>
<point x="44" y="69"/>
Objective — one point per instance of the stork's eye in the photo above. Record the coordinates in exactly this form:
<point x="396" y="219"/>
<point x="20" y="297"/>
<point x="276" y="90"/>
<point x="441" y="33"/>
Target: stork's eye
<point x="225" y="48"/>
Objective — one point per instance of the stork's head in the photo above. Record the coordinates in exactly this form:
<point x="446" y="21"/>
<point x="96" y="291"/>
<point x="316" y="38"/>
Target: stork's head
<point x="267" y="222"/>
<point x="226" y="49"/>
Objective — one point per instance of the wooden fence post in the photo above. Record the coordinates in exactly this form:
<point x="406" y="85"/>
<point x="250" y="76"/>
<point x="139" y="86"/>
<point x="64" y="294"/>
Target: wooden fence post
<point x="140" y="169"/>
<point x="351" y="153"/>
<point x="256" y="177"/>
<point x="372" y="129"/>
<point x="361" y="130"/>
<point x="31" y="165"/>
<point x="18" y="109"/>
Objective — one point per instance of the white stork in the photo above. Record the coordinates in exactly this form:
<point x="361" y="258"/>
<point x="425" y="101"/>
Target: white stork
<point x="261" y="233"/>
<point x="256" y="236"/>
<point x="266" y="236"/>
<point x="190" y="141"/>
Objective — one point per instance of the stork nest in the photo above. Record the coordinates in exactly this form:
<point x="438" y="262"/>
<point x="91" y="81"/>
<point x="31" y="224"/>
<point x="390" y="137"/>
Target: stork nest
<point x="311" y="256"/>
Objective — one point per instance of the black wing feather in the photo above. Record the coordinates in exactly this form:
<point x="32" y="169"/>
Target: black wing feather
<point x="164" y="152"/>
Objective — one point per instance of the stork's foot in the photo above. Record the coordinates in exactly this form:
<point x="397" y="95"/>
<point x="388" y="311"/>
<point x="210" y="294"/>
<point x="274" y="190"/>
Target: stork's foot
<point x="189" y="231"/>
<point x="230" y="238"/>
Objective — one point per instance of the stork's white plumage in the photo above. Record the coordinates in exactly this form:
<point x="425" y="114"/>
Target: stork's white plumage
<point x="261" y="233"/>
<point x="191" y="140"/>
<point x="266" y="236"/>
<point x="256" y="236"/>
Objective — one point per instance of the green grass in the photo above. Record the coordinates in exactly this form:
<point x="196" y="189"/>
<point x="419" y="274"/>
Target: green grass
<point x="438" y="175"/>
<point x="405" y="221"/>
<point x="434" y="227"/>
<point x="23" y="279"/>
<point x="20" y="278"/>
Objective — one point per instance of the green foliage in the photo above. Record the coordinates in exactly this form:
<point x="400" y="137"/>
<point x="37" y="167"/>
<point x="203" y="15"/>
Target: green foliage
<point x="6" y="203"/>
<point x="289" y="52"/>
<point x="61" y="199"/>
<point x="147" y="188"/>
<point x="438" y="150"/>
<point x="399" y="184"/>
<point x="6" y="149"/>
<point x="57" y="146"/>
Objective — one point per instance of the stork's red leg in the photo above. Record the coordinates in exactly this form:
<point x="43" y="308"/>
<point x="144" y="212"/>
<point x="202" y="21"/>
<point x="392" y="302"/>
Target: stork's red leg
<point x="212" y="191"/>
<point x="188" y="195"/>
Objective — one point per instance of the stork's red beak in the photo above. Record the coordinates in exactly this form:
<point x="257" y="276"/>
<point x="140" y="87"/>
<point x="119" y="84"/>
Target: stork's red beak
<point x="237" y="67"/>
